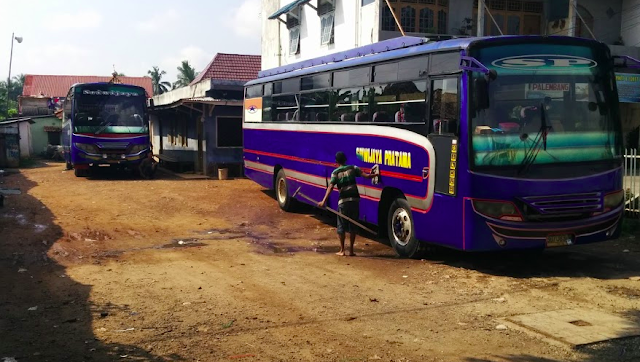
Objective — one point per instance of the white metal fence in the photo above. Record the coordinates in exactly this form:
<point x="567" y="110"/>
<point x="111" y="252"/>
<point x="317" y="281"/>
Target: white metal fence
<point x="631" y="183"/>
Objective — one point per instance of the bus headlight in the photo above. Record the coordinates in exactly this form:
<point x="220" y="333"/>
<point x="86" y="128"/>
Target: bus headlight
<point x="503" y="210"/>
<point x="88" y="148"/>
<point x="137" y="149"/>
<point x="613" y="200"/>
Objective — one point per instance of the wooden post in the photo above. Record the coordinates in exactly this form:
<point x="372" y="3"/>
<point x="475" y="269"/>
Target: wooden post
<point x="395" y="18"/>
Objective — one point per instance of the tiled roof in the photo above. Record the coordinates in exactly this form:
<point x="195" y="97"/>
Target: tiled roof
<point x="58" y="85"/>
<point x="231" y="67"/>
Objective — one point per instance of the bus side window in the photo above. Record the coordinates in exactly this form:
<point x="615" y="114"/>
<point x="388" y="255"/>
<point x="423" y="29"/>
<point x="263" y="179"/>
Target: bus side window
<point x="444" y="106"/>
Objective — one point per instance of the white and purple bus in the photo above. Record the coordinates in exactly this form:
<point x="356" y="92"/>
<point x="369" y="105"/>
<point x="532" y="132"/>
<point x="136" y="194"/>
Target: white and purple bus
<point x="106" y="124"/>
<point x="495" y="143"/>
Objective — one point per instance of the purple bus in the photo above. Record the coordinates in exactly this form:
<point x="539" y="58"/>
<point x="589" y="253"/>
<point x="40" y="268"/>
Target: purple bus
<point x="105" y="124"/>
<point x="496" y="143"/>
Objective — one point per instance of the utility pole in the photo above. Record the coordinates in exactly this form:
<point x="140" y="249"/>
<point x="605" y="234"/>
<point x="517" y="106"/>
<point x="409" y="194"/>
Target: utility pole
<point x="480" y="24"/>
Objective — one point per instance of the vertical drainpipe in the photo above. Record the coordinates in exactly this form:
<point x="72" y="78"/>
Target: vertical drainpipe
<point x="480" y="24"/>
<point x="358" y="14"/>
<point x="572" y="18"/>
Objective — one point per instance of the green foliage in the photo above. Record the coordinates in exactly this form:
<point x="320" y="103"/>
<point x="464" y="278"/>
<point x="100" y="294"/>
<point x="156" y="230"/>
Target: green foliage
<point x="15" y="90"/>
<point x="186" y="75"/>
<point x="159" y="86"/>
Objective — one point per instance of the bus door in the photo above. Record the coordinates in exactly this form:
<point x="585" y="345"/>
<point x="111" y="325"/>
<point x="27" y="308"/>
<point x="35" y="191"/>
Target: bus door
<point x="444" y="118"/>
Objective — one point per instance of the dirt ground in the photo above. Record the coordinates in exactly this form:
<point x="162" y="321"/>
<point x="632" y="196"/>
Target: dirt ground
<point x="114" y="268"/>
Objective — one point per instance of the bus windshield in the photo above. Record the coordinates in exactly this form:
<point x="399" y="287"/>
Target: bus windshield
<point x="549" y="104"/>
<point x="101" y="109"/>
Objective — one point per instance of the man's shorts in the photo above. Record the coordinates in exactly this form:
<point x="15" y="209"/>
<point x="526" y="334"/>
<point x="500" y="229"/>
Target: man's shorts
<point x="352" y="210"/>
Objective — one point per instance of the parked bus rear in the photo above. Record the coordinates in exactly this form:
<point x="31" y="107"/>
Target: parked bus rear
<point x="483" y="144"/>
<point x="105" y="125"/>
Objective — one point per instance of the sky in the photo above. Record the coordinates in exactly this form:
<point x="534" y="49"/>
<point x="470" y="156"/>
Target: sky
<point x="91" y="37"/>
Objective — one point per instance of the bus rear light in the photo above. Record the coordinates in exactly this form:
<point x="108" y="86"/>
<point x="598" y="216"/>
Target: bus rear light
<point x="503" y="210"/>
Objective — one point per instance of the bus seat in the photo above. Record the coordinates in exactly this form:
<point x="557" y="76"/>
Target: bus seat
<point x="347" y="117"/>
<point x="282" y="117"/>
<point x="380" y="116"/>
<point x="296" y="116"/>
<point x="290" y="116"/>
<point x="362" y="117"/>
<point x="322" y="117"/>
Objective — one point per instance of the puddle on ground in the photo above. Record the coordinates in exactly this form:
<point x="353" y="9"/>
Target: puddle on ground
<point x="264" y="243"/>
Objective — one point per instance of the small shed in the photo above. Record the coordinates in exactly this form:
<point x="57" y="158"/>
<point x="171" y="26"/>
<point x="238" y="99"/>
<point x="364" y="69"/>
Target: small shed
<point x="15" y="141"/>
<point x="199" y="127"/>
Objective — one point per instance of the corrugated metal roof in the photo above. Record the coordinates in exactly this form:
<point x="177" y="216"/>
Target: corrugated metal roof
<point x="58" y="85"/>
<point x="237" y="67"/>
<point x="287" y="8"/>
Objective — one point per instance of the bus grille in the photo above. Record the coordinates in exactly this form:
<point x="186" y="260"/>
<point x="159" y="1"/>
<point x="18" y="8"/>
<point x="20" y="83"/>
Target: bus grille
<point x="104" y="146"/>
<point x="563" y="205"/>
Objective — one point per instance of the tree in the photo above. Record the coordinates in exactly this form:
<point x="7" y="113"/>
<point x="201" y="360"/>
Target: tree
<point x="159" y="86"/>
<point x="186" y="75"/>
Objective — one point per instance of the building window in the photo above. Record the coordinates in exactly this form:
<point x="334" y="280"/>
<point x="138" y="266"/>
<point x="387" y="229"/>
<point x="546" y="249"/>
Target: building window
<point x="229" y="133"/>
<point x="388" y="23"/>
<point x="326" y="6"/>
<point x="442" y="22"/>
<point x="293" y="24"/>
<point x="408" y="19"/>
<point x="429" y="15"/>
<point x="294" y="40"/>
<point x="514" y="17"/>
<point x="326" y="24"/>
<point x="53" y="138"/>
<point x="426" y="21"/>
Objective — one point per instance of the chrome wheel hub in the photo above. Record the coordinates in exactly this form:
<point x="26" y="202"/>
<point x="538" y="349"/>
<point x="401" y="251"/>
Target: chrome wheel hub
<point x="282" y="190"/>
<point x="401" y="227"/>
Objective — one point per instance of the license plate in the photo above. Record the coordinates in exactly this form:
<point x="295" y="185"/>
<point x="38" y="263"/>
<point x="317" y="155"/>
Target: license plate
<point x="559" y="240"/>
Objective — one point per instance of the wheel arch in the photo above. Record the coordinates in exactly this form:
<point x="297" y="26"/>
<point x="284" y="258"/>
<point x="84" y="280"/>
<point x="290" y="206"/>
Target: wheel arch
<point x="386" y="199"/>
<point x="276" y="169"/>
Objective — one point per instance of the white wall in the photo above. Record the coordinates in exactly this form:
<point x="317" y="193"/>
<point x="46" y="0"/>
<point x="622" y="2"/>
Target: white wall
<point x="354" y="25"/>
<point x="630" y="19"/>
<point x="270" y="28"/>
<point x="25" y="140"/>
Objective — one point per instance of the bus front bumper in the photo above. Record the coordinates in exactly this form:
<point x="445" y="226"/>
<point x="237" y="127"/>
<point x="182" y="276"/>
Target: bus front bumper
<point x="111" y="158"/>
<point x="492" y="234"/>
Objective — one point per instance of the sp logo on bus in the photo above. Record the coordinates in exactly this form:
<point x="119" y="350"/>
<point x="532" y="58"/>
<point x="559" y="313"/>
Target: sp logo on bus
<point x="547" y="62"/>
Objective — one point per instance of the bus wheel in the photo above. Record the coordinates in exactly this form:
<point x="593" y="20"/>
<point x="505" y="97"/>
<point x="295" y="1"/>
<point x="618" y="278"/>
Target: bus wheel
<point x="401" y="229"/>
<point x="285" y="201"/>
<point x="79" y="172"/>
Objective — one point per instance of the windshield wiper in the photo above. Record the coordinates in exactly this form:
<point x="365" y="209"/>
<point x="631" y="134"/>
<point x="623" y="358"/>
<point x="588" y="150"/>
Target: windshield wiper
<point x="540" y="142"/>
<point x="108" y="124"/>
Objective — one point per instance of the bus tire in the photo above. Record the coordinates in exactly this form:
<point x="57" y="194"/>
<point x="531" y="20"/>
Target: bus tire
<point x="79" y="172"/>
<point x="401" y="229"/>
<point x="285" y="201"/>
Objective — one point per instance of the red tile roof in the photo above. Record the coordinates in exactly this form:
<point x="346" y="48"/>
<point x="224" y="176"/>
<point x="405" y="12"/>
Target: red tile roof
<point x="231" y="67"/>
<point x="58" y="85"/>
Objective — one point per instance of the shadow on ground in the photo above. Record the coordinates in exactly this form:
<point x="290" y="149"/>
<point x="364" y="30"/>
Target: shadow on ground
<point x="44" y="314"/>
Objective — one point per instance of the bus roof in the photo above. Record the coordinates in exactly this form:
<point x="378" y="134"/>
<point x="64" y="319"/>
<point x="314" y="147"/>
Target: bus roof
<point x="383" y="51"/>
<point x="106" y="83"/>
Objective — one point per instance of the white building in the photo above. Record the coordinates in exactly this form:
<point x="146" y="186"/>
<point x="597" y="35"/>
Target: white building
<point x="303" y="29"/>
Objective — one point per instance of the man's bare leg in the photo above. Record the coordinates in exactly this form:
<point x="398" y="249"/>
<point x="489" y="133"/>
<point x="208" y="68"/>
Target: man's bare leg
<point x="341" y="237"/>
<point x="352" y="240"/>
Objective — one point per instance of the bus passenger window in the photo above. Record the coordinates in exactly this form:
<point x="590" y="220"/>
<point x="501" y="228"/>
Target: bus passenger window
<point x="444" y="106"/>
<point x="284" y="108"/>
<point x="348" y="102"/>
<point x="400" y="102"/>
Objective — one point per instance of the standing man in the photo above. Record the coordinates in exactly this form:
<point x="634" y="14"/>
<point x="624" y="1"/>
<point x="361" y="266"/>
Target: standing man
<point x="349" y="202"/>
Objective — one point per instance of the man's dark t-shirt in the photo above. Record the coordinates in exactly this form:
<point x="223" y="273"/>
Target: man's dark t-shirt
<point x="344" y="177"/>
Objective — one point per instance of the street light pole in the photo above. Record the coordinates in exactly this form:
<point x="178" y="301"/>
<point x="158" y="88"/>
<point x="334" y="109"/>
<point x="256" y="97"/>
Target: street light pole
<point x="19" y="40"/>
